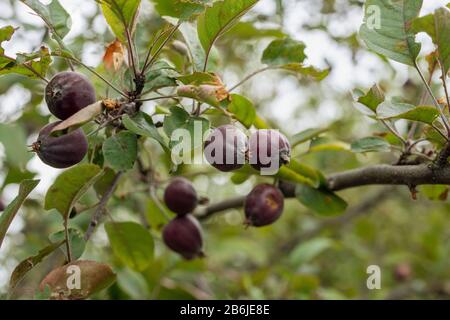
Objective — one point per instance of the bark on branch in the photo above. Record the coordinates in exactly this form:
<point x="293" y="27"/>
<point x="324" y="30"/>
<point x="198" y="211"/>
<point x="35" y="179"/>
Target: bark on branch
<point x="411" y="176"/>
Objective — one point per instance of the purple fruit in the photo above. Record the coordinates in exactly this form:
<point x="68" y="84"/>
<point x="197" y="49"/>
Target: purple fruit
<point x="60" y="151"/>
<point x="268" y="149"/>
<point x="67" y="93"/>
<point x="180" y="196"/>
<point x="184" y="236"/>
<point x="226" y="148"/>
<point x="263" y="205"/>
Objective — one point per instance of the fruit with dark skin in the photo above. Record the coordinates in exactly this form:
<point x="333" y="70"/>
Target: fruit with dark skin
<point x="180" y="196"/>
<point x="226" y="148"/>
<point x="184" y="236"/>
<point x="60" y="151"/>
<point x="268" y="149"/>
<point x="403" y="272"/>
<point x="67" y="93"/>
<point x="263" y="205"/>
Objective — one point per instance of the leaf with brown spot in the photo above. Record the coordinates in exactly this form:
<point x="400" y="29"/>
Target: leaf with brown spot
<point x="94" y="277"/>
<point x="114" y="56"/>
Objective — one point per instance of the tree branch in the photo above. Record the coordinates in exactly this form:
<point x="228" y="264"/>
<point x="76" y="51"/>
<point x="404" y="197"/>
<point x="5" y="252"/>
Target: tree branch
<point x="411" y="175"/>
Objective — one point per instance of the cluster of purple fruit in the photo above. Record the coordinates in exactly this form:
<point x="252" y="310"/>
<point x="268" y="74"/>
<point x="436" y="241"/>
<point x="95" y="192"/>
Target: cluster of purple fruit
<point x="66" y="94"/>
<point x="263" y="206"/>
<point x="227" y="148"/>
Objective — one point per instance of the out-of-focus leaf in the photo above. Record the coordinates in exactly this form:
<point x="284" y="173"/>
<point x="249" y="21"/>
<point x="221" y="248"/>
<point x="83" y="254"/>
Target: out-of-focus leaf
<point x="69" y="186"/>
<point x="189" y="32"/>
<point x="6" y="34"/>
<point x="306" y="135"/>
<point x="93" y="277"/>
<point x="219" y="18"/>
<point x="54" y="16"/>
<point x="370" y="144"/>
<point x="323" y="202"/>
<point x="307" y="71"/>
<point x="76" y="239"/>
<point x="120" y="151"/>
<point x="435" y="192"/>
<point x="131" y="243"/>
<point x="307" y="251"/>
<point x="248" y="31"/>
<point x="11" y="210"/>
<point x="29" y="263"/>
<point x="243" y="109"/>
<point x="387" y="29"/>
<point x="155" y="217"/>
<point x="14" y="140"/>
<point x="326" y="144"/>
<point x="283" y="52"/>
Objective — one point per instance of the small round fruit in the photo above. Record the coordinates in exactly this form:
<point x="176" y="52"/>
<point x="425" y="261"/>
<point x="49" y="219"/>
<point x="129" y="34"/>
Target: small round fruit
<point x="180" y="196"/>
<point x="226" y="148"/>
<point x="268" y="149"/>
<point x="263" y="205"/>
<point x="61" y="151"/>
<point x="184" y="236"/>
<point x="67" y="93"/>
<point x="403" y="272"/>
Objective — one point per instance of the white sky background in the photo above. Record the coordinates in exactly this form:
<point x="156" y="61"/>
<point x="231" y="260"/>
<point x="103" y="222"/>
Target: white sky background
<point x="320" y="47"/>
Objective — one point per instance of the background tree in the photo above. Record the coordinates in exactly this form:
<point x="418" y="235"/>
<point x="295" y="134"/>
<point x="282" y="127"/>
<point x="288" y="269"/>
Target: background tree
<point x="168" y="63"/>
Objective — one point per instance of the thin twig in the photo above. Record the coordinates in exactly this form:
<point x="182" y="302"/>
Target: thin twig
<point x="158" y="51"/>
<point x="97" y="74"/>
<point x="394" y="132"/>
<point x="436" y="103"/>
<point x="102" y="206"/>
<point x="251" y="75"/>
<point x="158" y="98"/>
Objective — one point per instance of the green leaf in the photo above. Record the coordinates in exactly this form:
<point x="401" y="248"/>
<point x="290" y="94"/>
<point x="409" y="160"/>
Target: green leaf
<point x="11" y="210"/>
<point x="120" y="151"/>
<point x="14" y="140"/>
<point x="370" y="144"/>
<point x="306" y="135"/>
<point x="243" y="109"/>
<point x="178" y="117"/>
<point x="155" y="216"/>
<point x="435" y="192"/>
<point x="240" y="177"/>
<point x="308" y="71"/>
<point x="199" y="78"/>
<point x="6" y="34"/>
<point x="327" y="144"/>
<point x="29" y="263"/>
<point x="219" y="18"/>
<point x="76" y="239"/>
<point x="142" y="124"/>
<point x="372" y="99"/>
<point x="387" y="29"/>
<point x="160" y="75"/>
<point x="120" y="15"/>
<point x="323" y="202"/>
<point x="54" y="16"/>
<point x="248" y="31"/>
<point x="69" y="186"/>
<point x="189" y="32"/>
<point x="399" y="110"/>
<point x="182" y="9"/>
<point x="437" y="26"/>
<point x="93" y="276"/>
<point x="39" y="62"/>
<point x="307" y="251"/>
<point x="283" y="52"/>
<point x="131" y="243"/>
